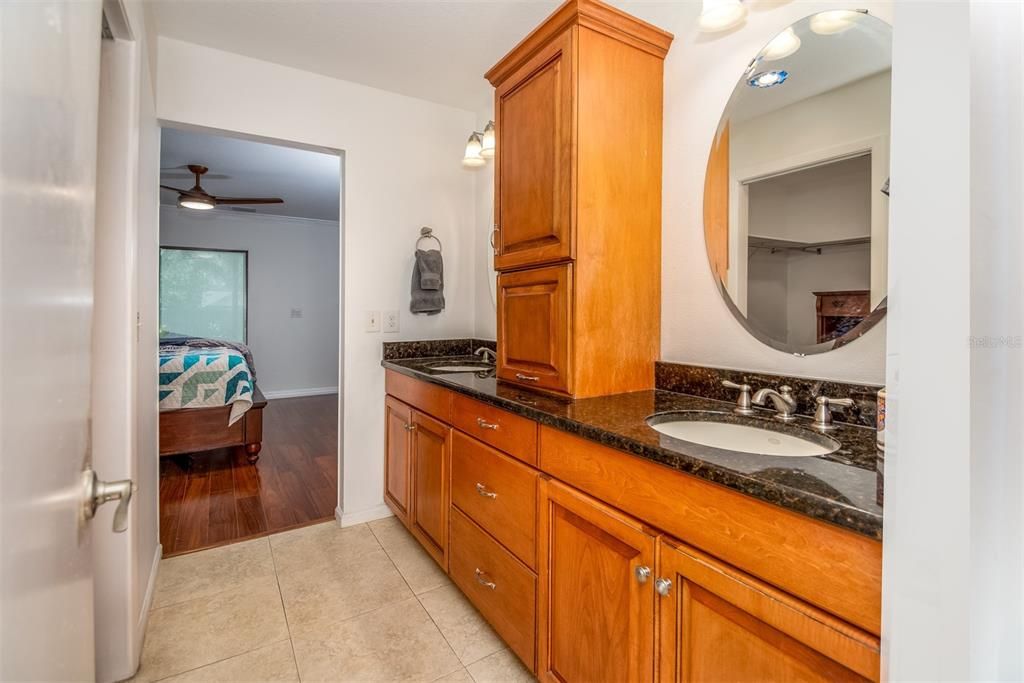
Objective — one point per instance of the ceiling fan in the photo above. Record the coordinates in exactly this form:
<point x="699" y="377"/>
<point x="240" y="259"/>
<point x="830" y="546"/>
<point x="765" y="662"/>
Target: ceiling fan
<point x="198" y="198"/>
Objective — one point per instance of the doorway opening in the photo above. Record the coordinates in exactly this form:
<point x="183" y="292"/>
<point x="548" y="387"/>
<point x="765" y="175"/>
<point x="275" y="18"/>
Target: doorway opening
<point x="250" y="345"/>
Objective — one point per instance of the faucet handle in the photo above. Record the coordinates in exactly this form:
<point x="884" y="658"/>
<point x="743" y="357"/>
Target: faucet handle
<point x="786" y="390"/>
<point x="823" y="413"/>
<point x="743" y="400"/>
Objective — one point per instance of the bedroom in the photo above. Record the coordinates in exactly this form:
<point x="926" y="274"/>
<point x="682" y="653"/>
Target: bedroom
<point x="248" y="305"/>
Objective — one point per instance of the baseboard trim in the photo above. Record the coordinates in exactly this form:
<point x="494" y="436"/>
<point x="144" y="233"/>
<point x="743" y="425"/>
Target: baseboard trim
<point x="370" y="514"/>
<point x="297" y="393"/>
<point x="147" y="603"/>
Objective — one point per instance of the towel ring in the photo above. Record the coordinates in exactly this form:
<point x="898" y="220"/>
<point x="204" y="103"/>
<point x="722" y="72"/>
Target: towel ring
<point x="428" y="234"/>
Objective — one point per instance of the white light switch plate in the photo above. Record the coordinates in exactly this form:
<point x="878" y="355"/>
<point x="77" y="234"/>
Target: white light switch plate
<point x="391" y="321"/>
<point x="373" y="321"/>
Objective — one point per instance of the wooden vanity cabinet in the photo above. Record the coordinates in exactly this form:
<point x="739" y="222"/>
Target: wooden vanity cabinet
<point x="718" y="624"/>
<point x="533" y="201"/>
<point x="596" y="606"/>
<point x="397" y="424"/>
<point x="535" y="327"/>
<point x="578" y="120"/>
<point x="577" y="566"/>
<point x="430" y="455"/>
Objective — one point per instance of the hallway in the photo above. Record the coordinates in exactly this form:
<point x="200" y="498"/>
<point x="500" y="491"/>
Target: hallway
<point x="318" y="603"/>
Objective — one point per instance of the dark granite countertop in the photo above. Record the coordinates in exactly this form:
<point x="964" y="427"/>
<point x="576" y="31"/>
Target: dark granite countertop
<point x="839" y="488"/>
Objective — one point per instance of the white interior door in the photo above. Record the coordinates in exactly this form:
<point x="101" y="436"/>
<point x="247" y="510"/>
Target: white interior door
<point x="49" y="71"/>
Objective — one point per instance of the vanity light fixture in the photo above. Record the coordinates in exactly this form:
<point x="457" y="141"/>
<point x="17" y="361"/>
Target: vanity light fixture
<point x="487" y="149"/>
<point x="720" y="15"/>
<point x="782" y="46"/>
<point x="474" y="146"/>
<point x="835" y="21"/>
<point x="768" y="79"/>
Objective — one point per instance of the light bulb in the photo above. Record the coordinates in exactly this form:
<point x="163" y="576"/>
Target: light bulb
<point x="833" y="21"/>
<point x="719" y="15"/>
<point x="781" y="46"/>
<point x="196" y="203"/>
<point x="767" y="79"/>
<point x="487" y="143"/>
<point x="474" y="145"/>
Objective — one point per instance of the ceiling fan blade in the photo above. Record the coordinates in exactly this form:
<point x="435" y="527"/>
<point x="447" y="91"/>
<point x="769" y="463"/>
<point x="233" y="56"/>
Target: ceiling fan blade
<point x="181" y="191"/>
<point x="190" y="176"/>
<point x="248" y="200"/>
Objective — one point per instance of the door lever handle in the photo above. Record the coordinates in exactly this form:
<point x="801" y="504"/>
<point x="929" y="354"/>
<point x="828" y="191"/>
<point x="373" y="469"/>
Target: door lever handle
<point x="98" y="492"/>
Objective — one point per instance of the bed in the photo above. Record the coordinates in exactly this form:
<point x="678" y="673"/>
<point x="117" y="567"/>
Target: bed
<point x="208" y="397"/>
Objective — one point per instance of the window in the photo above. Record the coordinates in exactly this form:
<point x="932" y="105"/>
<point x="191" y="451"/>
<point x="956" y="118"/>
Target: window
<point x="203" y="293"/>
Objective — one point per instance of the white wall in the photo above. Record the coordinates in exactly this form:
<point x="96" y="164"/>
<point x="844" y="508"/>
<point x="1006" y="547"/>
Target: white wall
<point x="697" y="327"/>
<point x="401" y="171"/>
<point x="293" y="264"/>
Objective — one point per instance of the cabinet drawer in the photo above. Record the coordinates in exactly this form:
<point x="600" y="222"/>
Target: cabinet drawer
<point x="498" y="493"/>
<point x="850" y="304"/>
<point x="425" y="397"/>
<point x="513" y="434"/>
<point x="500" y="586"/>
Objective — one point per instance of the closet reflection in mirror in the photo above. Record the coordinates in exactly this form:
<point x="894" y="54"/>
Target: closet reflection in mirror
<point x="795" y="199"/>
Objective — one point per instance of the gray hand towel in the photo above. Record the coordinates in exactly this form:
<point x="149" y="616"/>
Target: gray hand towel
<point x="428" y="301"/>
<point x="431" y="267"/>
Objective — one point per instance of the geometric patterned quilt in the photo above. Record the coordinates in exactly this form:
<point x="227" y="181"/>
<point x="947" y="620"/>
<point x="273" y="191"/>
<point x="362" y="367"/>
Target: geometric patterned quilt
<point x="204" y="377"/>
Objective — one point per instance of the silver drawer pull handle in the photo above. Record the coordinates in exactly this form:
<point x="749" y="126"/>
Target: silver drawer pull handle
<point x="410" y="427"/>
<point x="527" y="378"/>
<point x="642" y="574"/>
<point x="484" y="424"/>
<point x="482" y="490"/>
<point x="663" y="586"/>
<point x="481" y="578"/>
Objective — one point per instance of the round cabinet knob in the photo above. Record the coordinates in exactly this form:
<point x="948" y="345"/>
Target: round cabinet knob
<point x="663" y="586"/>
<point x="642" y="574"/>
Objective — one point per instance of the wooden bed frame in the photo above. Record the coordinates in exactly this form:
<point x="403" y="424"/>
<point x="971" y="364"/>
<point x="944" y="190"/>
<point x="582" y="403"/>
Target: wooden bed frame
<point x="189" y="430"/>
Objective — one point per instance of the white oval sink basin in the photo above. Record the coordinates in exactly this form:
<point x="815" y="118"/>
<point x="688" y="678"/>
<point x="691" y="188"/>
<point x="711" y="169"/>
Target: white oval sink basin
<point x="743" y="438"/>
<point x="461" y="367"/>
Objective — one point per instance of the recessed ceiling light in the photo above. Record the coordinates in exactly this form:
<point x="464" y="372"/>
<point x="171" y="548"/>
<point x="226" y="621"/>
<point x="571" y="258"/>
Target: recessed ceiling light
<point x="782" y="45"/>
<point x="768" y="79"/>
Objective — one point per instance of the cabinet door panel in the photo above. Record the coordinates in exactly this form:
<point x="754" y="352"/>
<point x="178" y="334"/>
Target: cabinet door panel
<point x="534" y="121"/>
<point x="430" y="463"/>
<point x="596" y="610"/>
<point x="534" y="327"/>
<point x="718" y="624"/>
<point x="397" y="420"/>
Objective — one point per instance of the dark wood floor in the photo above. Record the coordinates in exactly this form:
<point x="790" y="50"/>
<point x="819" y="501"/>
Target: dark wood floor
<point x="216" y="497"/>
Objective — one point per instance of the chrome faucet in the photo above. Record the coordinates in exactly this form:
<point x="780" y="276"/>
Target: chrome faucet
<point x="486" y="354"/>
<point x="783" y="400"/>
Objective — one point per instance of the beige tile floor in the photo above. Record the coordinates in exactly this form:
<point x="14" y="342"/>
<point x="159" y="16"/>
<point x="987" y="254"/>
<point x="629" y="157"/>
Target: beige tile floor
<point x="365" y="603"/>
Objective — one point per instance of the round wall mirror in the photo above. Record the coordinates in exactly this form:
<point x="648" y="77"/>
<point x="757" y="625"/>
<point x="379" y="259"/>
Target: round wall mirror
<point x="796" y="196"/>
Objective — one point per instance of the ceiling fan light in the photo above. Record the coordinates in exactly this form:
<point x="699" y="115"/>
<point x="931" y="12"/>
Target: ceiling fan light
<point x="488" y="141"/>
<point x="719" y="15"/>
<point x="197" y="203"/>
<point x="474" y="146"/>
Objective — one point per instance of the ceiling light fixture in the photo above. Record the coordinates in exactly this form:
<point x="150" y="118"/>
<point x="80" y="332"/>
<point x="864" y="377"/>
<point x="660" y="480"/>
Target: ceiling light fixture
<point x="488" y="142"/>
<point x="781" y="46"/>
<point x="720" y="15"/>
<point x="768" y="79"/>
<point x="474" y="146"/>
<point x="834" y="21"/>
<point x="195" y="202"/>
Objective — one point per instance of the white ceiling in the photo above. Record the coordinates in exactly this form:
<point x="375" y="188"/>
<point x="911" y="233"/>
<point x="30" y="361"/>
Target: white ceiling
<point x="308" y="182"/>
<point x="430" y="49"/>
